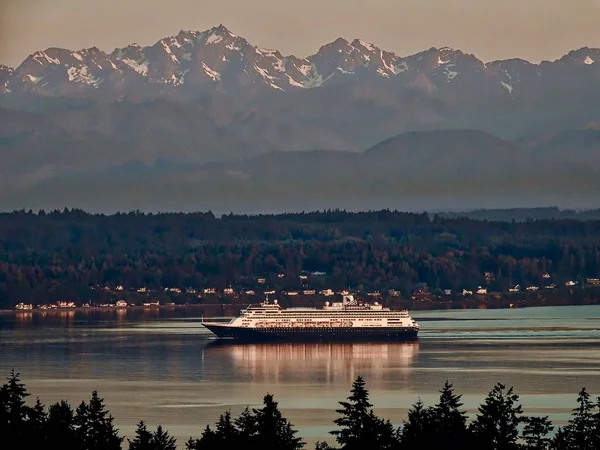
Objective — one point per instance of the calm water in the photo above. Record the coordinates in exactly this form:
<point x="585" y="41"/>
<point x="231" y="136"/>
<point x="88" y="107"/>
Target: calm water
<point x="163" y="366"/>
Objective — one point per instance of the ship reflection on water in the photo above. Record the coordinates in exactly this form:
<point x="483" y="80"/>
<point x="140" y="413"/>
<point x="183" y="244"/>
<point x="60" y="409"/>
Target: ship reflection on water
<point x="318" y="362"/>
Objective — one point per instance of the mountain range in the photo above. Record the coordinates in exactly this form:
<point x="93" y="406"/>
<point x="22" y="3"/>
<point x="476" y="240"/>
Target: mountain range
<point x="207" y="120"/>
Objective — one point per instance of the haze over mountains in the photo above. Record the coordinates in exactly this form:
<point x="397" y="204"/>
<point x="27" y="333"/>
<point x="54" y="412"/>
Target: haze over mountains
<point x="206" y="120"/>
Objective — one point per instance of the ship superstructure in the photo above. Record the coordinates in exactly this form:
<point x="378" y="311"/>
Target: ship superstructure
<point x="348" y="319"/>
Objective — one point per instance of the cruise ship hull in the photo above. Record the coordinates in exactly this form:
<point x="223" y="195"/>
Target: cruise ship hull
<point x="314" y="334"/>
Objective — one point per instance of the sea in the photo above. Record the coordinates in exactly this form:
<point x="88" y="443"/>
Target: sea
<point x="162" y="366"/>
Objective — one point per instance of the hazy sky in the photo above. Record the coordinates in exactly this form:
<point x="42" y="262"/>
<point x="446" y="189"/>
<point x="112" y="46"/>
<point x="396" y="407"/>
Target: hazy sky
<point x="491" y="29"/>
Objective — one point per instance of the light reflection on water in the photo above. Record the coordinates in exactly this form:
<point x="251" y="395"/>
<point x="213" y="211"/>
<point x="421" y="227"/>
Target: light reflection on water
<point x="163" y="367"/>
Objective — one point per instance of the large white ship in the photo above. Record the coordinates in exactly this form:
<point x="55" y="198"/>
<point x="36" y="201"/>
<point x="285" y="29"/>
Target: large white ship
<point x="345" y="320"/>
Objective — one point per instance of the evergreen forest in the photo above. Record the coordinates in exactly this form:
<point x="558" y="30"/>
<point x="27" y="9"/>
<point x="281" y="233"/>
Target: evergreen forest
<point x="499" y="424"/>
<point x="72" y="255"/>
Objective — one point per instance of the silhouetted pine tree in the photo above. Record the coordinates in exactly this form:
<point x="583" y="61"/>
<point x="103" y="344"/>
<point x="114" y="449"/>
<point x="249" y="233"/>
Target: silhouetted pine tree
<point x="274" y="432"/>
<point x="596" y="426"/>
<point x="535" y="433"/>
<point x="60" y="430"/>
<point x="359" y="427"/>
<point x="36" y="426"/>
<point x="496" y="424"/>
<point x="449" y="421"/>
<point x="579" y="433"/>
<point x="245" y="424"/>
<point x="192" y="444"/>
<point x="80" y="424"/>
<point x="94" y="426"/>
<point x="161" y="440"/>
<point x="13" y="412"/>
<point x="560" y="440"/>
<point x="387" y="435"/>
<point x="226" y="432"/>
<point x="417" y="431"/>
<point x="143" y="438"/>
<point x="208" y="441"/>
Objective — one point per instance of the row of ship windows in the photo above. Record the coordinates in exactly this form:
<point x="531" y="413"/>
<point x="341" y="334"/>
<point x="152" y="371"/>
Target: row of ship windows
<point x="338" y="330"/>
<point x="306" y="320"/>
<point x="349" y="314"/>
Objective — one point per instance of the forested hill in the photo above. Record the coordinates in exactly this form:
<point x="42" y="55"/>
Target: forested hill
<point x="67" y="255"/>
<point x="520" y="214"/>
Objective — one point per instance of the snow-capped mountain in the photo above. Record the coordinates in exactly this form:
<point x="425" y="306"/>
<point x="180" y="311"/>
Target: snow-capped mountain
<point x="213" y="57"/>
<point x="243" y="120"/>
<point x="218" y="59"/>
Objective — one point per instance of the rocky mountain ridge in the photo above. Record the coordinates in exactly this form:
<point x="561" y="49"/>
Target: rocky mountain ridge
<point x="217" y="59"/>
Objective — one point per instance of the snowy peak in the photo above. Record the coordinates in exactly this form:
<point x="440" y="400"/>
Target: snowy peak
<point x="437" y="67"/>
<point x="43" y="58"/>
<point x="435" y="58"/>
<point x="134" y="57"/>
<point x="357" y="58"/>
<point x="217" y="59"/>
<point x="385" y="64"/>
<point x="341" y="53"/>
<point x="58" y="70"/>
<point x="367" y="46"/>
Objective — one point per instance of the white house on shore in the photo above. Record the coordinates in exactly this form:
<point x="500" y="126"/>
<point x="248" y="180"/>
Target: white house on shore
<point x="24" y="306"/>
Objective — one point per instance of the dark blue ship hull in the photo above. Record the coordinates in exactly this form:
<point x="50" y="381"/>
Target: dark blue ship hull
<point x="314" y="334"/>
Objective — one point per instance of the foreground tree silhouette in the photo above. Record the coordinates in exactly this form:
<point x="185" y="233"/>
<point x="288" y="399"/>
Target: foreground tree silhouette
<point x="36" y="425"/>
<point x="13" y="412"/>
<point x="225" y="429"/>
<point x="535" y="433"/>
<point x="581" y="433"/>
<point x="496" y="424"/>
<point x="143" y="438"/>
<point x="245" y="425"/>
<point x="274" y="432"/>
<point x="444" y="425"/>
<point x="19" y="422"/>
<point x="356" y="429"/>
<point x="263" y="428"/>
<point x="359" y="427"/>
<point x="226" y="435"/>
<point x="94" y="426"/>
<point x="208" y="441"/>
<point x="161" y="440"/>
<point x="441" y="426"/>
<point x="417" y="430"/>
<point x="449" y="421"/>
<point x="60" y="429"/>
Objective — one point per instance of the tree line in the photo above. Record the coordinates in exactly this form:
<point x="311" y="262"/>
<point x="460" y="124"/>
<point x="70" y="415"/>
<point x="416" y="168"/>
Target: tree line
<point x="60" y="255"/>
<point x="499" y="424"/>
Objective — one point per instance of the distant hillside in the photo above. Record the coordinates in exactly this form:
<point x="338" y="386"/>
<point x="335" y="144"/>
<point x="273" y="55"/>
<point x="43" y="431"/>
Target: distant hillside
<point x="522" y="214"/>
<point x="452" y="169"/>
<point x="572" y="146"/>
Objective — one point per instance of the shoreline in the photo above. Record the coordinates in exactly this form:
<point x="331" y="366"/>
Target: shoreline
<point x="106" y="309"/>
<point x="232" y="309"/>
